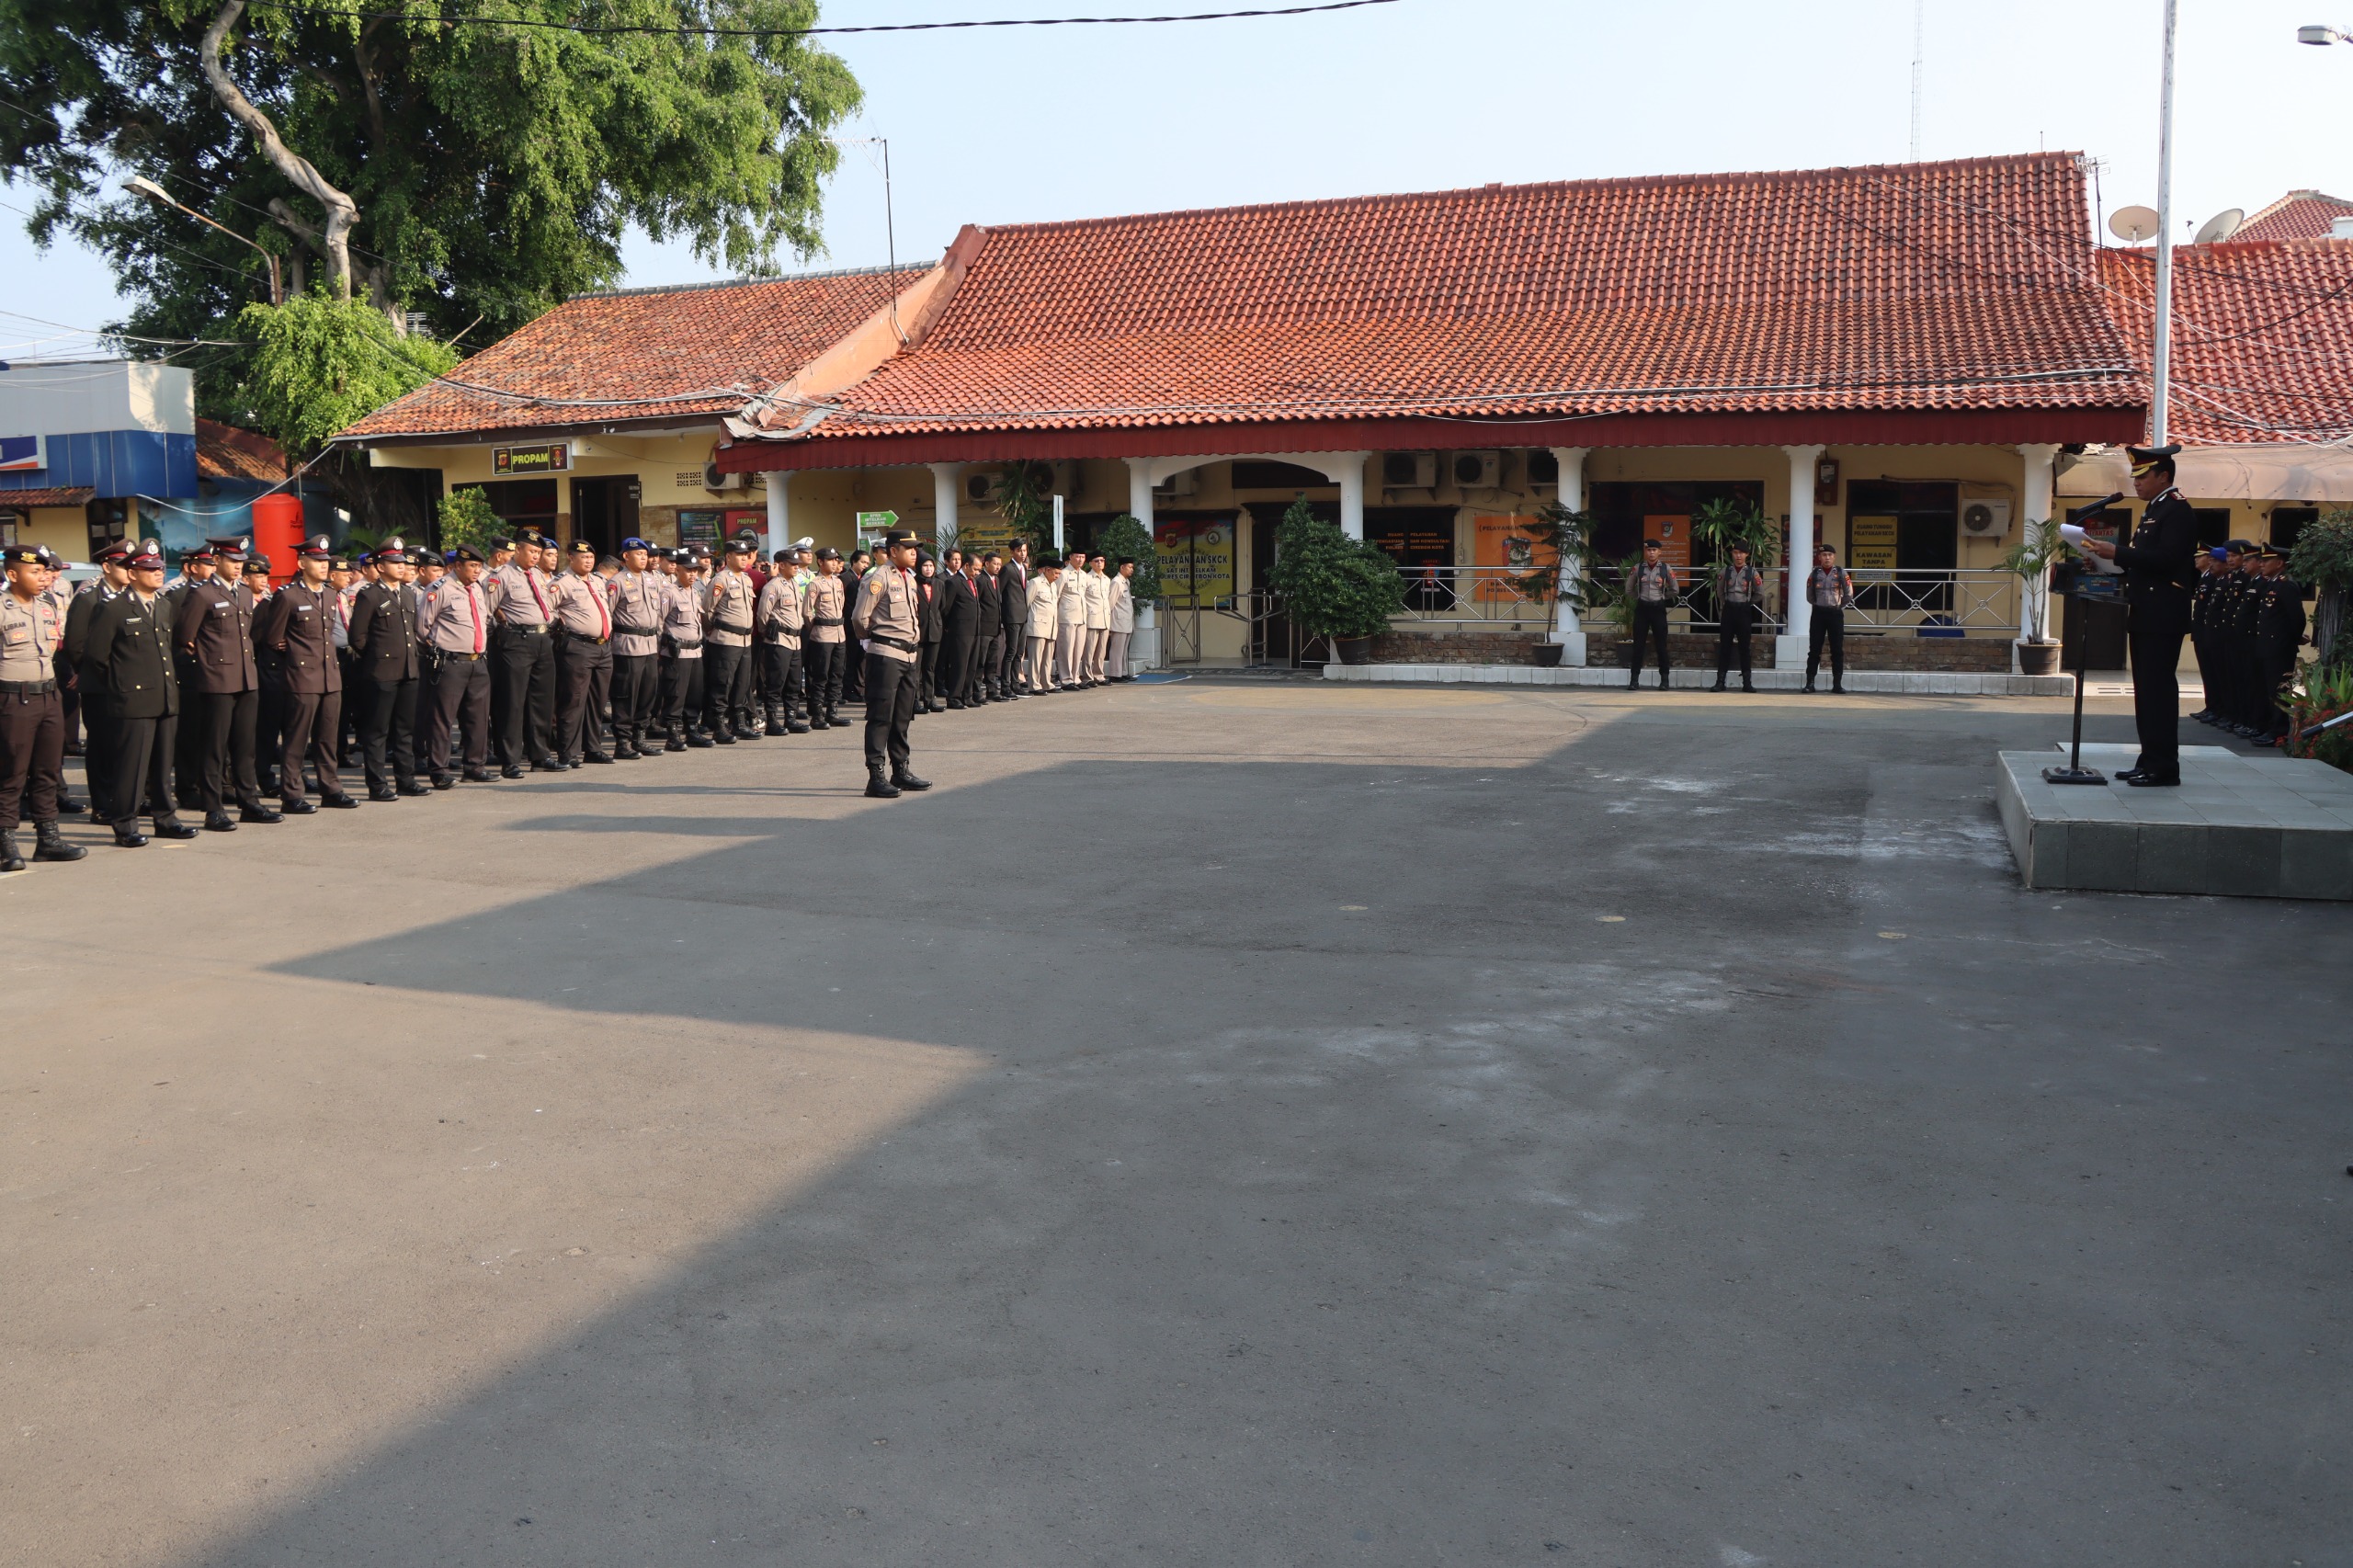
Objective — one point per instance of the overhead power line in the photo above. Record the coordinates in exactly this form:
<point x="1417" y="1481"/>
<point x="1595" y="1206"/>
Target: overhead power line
<point x="455" y="19"/>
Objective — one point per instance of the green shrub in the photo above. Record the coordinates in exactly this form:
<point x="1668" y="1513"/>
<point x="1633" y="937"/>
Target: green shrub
<point x="1124" y="535"/>
<point x="1331" y="586"/>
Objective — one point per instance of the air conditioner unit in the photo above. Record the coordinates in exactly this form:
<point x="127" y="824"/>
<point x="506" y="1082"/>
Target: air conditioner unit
<point x="715" y="481"/>
<point x="1184" y="481"/>
<point x="1409" y="470"/>
<point x="1986" y="519"/>
<point x="979" y="487"/>
<point x="1477" y="471"/>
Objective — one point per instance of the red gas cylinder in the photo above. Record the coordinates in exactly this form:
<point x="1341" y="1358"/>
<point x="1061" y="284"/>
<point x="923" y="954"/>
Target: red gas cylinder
<point x="277" y="531"/>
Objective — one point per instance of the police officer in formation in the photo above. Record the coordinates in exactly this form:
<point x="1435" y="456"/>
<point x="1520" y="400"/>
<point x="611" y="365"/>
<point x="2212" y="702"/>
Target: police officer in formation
<point x="2247" y="622"/>
<point x="452" y="660"/>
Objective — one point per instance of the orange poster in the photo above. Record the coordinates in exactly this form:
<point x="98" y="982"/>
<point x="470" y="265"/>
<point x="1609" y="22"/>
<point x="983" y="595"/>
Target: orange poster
<point x="1673" y="532"/>
<point x="1499" y="541"/>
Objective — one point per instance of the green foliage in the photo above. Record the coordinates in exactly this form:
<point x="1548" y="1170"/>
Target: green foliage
<point x="1615" y="599"/>
<point x="465" y="517"/>
<point x="319" y="364"/>
<point x="2041" y="547"/>
<point x="496" y="169"/>
<point x="2322" y="555"/>
<point x="1725" y="522"/>
<point x="1331" y="586"/>
<point x="1557" y="534"/>
<point x="1023" y="496"/>
<point x="1124" y="535"/>
<point x="2328" y="693"/>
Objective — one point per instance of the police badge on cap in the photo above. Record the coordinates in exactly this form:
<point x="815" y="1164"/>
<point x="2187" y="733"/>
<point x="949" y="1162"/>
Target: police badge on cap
<point x="2149" y="460"/>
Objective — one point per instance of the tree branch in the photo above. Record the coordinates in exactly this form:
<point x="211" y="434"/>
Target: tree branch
<point x="342" y="211"/>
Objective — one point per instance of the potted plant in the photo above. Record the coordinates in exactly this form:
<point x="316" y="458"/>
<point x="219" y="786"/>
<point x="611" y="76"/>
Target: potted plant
<point x="1617" y="604"/>
<point x="2039" y="549"/>
<point x="1331" y="586"/>
<point x="2322" y="560"/>
<point x="1556" y="538"/>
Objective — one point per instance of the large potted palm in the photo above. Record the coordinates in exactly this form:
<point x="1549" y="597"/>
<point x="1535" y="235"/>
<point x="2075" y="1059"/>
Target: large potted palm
<point x="1334" y="586"/>
<point x="1553" y="557"/>
<point x="2039" y="549"/>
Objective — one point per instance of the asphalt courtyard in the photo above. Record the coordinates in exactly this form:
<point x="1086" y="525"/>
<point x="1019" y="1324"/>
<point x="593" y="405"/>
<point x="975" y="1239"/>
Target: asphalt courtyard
<point x="1223" y="1124"/>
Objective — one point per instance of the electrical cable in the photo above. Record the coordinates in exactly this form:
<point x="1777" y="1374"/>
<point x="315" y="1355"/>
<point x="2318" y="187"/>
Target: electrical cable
<point x="686" y="28"/>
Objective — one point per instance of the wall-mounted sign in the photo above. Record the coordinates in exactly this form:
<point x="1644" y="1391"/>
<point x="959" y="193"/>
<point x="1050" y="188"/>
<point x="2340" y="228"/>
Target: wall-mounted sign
<point x="553" y="457"/>
<point x="699" y="526"/>
<point x="22" y="454"/>
<point x="1870" y="544"/>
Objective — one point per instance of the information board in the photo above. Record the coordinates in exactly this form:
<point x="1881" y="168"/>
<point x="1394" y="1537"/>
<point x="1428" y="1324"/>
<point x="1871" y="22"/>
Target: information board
<point x="1195" y="558"/>
<point x="696" y="527"/>
<point x="1870" y="544"/>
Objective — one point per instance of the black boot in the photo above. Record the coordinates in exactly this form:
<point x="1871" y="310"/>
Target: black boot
<point x="50" y="844"/>
<point x="878" y="786"/>
<point x="904" y="778"/>
<point x="776" y="721"/>
<point x="1719" y="683"/>
<point x="1748" y="685"/>
<point x="10" y="860"/>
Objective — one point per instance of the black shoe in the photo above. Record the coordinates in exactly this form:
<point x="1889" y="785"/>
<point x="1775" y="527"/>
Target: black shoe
<point x="797" y="727"/>
<point x="218" y="821"/>
<point x="550" y="765"/>
<point x="1747" y="684"/>
<point x="721" y="738"/>
<point x="381" y="792"/>
<point x="958" y="703"/>
<point x="129" y="838"/>
<point x="701" y="742"/>
<point x="744" y="732"/>
<point x="1663" y="684"/>
<point x="1634" y="685"/>
<point x="878" y="786"/>
<point x="413" y="789"/>
<point x="511" y="770"/>
<point x="1720" y="684"/>
<point x="479" y="776"/>
<point x="298" y="808"/>
<point x="174" y="829"/>
<point x="71" y="805"/>
<point x="819" y="722"/>
<point x="2154" y="780"/>
<point x="600" y="758"/>
<point x="1838" y="689"/>
<point x="74" y="748"/>
<point x="49" y="843"/>
<point x="339" y="802"/>
<point x="936" y="706"/>
<point x="10" y="859"/>
<point x="2126" y="775"/>
<point x="777" y="730"/>
<point x="444" y="782"/>
<point x="2203" y="716"/>
<point x="905" y="780"/>
<point x="1808" y="687"/>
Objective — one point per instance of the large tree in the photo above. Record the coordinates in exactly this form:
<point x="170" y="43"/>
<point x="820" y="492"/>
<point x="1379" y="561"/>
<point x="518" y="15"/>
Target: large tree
<point x="474" y="169"/>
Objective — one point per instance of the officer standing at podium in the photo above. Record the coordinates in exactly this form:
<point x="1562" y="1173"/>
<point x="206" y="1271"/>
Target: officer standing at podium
<point x="2159" y="572"/>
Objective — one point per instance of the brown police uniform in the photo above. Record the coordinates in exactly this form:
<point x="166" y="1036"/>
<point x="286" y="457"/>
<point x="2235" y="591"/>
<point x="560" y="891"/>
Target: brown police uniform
<point x="299" y="627"/>
<point x="214" y="634"/>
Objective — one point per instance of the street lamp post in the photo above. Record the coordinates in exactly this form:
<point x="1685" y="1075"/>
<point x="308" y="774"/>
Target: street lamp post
<point x="2161" y="366"/>
<point x="140" y="185"/>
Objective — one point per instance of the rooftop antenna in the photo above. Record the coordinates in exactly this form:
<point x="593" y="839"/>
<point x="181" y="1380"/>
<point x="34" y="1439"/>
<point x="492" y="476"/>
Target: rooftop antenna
<point x="1919" y="51"/>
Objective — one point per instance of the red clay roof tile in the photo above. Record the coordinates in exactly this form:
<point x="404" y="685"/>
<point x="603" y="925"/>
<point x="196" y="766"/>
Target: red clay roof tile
<point x="2299" y="215"/>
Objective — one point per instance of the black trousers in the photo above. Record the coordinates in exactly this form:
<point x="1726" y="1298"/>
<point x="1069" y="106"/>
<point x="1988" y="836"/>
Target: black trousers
<point x="461" y="701"/>
<point x="726" y="687"/>
<point x="224" y="723"/>
<point x="853" y="670"/>
<point x="98" y="752"/>
<point x="957" y="647"/>
<point x="988" y="658"/>
<point x="1012" y="642"/>
<point x="522" y="695"/>
<point x="824" y="672"/>
<point x="2158" y="620"/>
<point x="142" y="771"/>
<point x="637" y="694"/>
<point x="1830" y="626"/>
<point x="388" y="734"/>
<point x="927" y="681"/>
<point x="588" y="679"/>
<point x="892" y="687"/>
<point x="1650" y="620"/>
<point x="188" y="760"/>
<point x="682" y="695"/>
<point x="313" y="725"/>
<point x="1732" y="633"/>
<point x="32" y="756"/>
<point x="779" y="680"/>
<point x="269" y="719"/>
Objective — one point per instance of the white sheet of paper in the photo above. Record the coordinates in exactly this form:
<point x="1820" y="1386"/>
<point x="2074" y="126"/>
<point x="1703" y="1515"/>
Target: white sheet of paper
<point x="2076" y="536"/>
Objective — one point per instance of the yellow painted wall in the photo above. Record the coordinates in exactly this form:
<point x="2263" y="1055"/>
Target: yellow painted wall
<point x="65" y="529"/>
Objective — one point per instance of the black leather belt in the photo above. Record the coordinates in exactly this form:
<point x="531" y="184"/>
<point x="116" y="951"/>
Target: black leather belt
<point x="514" y="631"/>
<point x="444" y="653"/>
<point x="26" y="687"/>
<point x="681" y="644"/>
<point x="826" y="621"/>
<point x="893" y="643"/>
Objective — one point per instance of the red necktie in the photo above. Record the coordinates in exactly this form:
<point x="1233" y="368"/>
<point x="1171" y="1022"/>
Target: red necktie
<point x="473" y="606"/>
<point x="538" y="598"/>
<point x="604" y="613"/>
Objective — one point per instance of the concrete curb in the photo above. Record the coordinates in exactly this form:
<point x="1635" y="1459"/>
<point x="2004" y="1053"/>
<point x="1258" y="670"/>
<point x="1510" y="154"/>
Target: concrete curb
<point x="1911" y="683"/>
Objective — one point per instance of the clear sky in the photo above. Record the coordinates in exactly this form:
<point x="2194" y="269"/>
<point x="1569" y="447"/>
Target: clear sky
<point x="1043" y="123"/>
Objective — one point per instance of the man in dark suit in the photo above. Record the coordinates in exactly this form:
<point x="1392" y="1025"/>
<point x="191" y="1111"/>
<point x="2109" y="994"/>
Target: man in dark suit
<point x="113" y="579"/>
<point x="2159" y="572"/>
<point x="1012" y="609"/>
<point x="385" y="662"/>
<point x="979" y="682"/>
<point x="212" y="631"/>
<point x="298" y="626"/>
<point x="131" y="649"/>
<point x="959" y="627"/>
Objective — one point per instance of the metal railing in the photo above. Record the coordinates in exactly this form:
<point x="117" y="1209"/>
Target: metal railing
<point x="1468" y="593"/>
<point x="1965" y="602"/>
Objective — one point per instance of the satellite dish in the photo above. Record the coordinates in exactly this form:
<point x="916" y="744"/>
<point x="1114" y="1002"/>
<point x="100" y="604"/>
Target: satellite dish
<point x="2134" y="224"/>
<point x="2220" y="226"/>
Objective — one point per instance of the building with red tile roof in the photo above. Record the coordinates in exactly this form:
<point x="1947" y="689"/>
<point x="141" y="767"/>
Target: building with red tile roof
<point x="224" y="451"/>
<point x="2299" y="215"/>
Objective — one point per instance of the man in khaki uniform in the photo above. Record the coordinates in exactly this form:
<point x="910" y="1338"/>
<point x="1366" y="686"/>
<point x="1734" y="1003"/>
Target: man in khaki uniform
<point x="780" y="630"/>
<point x="640" y="595"/>
<point x="1123" y="621"/>
<point x="890" y="621"/>
<point x="32" y="715"/>
<point x="1069" y="623"/>
<point x="1045" y="596"/>
<point x="581" y="604"/>
<point x="824" y="641"/>
<point x="732" y="603"/>
<point x="1098" y="622"/>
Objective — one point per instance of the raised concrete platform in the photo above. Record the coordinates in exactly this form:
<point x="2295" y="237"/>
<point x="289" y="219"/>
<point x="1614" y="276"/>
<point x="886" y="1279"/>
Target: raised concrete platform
<point x="1876" y="682"/>
<point x="2244" y="826"/>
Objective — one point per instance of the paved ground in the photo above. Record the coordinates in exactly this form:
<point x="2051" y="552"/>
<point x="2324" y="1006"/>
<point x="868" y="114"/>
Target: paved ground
<point x="1224" y="1124"/>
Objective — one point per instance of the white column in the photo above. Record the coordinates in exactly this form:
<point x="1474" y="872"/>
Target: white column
<point x="1144" y="648"/>
<point x="2034" y="506"/>
<point x="1789" y="651"/>
<point x="1350" y="474"/>
<point x="779" y="482"/>
<point x="947" y="487"/>
<point x="1566" y="631"/>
